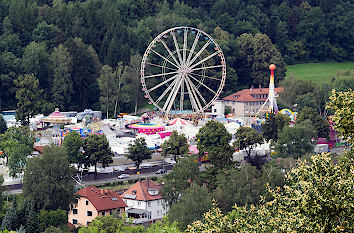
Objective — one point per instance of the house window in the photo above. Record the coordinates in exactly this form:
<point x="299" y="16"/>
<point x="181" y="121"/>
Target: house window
<point x="103" y="213"/>
<point x="74" y="221"/>
<point x="149" y="203"/>
<point x="87" y="202"/>
<point x="89" y="213"/>
<point x="158" y="202"/>
<point x="149" y="215"/>
<point x="74" y="211"/>
<point x="118" y="211"/>
<point x="88" y="223"/>
<point x="139" y="203"/>
<point x="158" y="212"/>
<point x="110" y="212"/>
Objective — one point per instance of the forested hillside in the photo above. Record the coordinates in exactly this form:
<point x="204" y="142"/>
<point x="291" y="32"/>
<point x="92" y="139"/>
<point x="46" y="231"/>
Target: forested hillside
<point x="82" y="50"/>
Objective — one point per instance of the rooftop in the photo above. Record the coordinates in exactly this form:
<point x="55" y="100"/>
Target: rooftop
<point x="140" y="191"/>
<point x="252" y="94"/>
<point x="102" y="199"/>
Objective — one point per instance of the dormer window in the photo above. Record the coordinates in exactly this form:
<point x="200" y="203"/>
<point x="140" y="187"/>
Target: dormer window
<point x="153" y="192"/>
<point x="134" y="192"/>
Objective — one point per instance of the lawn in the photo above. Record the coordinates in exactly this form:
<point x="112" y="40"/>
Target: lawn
<point x="318" y="72"/>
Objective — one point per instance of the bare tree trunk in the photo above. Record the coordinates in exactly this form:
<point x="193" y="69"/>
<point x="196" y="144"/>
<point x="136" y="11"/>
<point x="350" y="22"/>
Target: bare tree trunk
<point x="115" y="108"/>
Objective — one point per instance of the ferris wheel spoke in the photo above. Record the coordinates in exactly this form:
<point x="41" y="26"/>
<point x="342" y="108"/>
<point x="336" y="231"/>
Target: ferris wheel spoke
<point x="160" y="66"/>
<point x="208" y="67"/>
<point x="191" y="96"/>
<point x="203" y="60"/>
<point x="172" y="97"/>
<point x="204" y="76"/>
<point x="195" y="94"/>
<point x="166" y="91"/>
<point x="196" y="89"/>
<point x="200" y="52"/>
<point x="182" y="96"/>
<point x="193" y="47"/>
<point x="185" y="46"/>
<point x="177" y="49"/>
<point x="160" y="84"/>
<point x="162" y="74"/>
<point x="169" y="51"/>
<point x="165" y="58"/>
<point x="211" y="90"/>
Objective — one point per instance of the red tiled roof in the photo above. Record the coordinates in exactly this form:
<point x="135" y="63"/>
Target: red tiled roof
<point x="39" y="149"/>
<point x="102" y="199"/>
<point x="248" y="95"/>
<point x="141" y="188"/>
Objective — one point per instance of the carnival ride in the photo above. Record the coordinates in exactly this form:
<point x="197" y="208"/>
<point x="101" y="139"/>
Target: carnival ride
<point x="182" y="69"/>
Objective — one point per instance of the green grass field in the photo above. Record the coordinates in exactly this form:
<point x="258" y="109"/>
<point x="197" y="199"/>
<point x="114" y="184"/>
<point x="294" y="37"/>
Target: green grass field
<point x="318" y="72"/>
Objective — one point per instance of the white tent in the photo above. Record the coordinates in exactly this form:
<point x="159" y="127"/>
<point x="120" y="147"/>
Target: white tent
<point x="232" y="127"/>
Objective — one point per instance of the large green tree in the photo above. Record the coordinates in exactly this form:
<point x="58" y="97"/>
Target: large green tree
<point x="295" y="141"/>
<point x="35" y="60"/>
<point x="317" y="197"/>
<point x="255" y="54"/>
<point x="183" y="174"/>
<point x="247" y="138"/>
<point x="138" y="152"/>
<point x="48" y="179"/>
<point x="17" y="144"/>
<point x="73" y="143"/>
<point x="342" y="103"/>
<point x="97" y="150"/>
<point x="29" y="97"/>
<point x="273" y="125"/>
<point x="190" y="208"/>
<point x="62" y="85"/>
<point x="176" y="145"/>
<point x="214" y="139"/>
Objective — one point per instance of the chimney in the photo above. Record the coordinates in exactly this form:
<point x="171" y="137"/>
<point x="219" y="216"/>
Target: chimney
<point x="251" y="89"/>
<point x="260" y="86"/>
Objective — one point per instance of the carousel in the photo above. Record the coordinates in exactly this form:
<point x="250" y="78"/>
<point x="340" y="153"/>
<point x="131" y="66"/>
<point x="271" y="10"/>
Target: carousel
<point x="56" y="118"/>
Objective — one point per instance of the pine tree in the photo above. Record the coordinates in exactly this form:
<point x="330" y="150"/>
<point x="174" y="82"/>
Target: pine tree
<point x="10" y="220"/>
<point x="32" y="220"/>
<point x="3" y="126"/>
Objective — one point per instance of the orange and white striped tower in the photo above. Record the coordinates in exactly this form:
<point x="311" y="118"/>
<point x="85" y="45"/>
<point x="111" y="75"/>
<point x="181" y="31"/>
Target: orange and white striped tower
<point x="273" y="107"/>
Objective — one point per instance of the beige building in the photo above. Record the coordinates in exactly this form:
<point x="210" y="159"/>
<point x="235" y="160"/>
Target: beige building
<point x="93" y="202"/>
<point x="247" y="102"/>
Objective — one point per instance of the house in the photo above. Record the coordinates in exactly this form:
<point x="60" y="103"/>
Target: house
<point x="145" y="203"/>
<point x="247" y="102"/>
<point x="92" y="202"/>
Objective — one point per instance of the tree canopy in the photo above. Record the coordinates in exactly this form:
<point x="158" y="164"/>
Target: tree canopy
<point x="176" y="145"/>
<point x="214" y="139"/>
<point x="48" y="179"/>
<point x="138" y="152"/>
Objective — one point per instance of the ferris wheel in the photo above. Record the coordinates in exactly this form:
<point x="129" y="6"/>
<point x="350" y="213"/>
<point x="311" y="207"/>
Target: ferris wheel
<point x="183" y="68"/>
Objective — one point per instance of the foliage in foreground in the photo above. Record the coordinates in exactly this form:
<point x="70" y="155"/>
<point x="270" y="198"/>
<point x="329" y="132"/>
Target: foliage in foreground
<point x="109" y="224"/>
<point x="318" y="197"/>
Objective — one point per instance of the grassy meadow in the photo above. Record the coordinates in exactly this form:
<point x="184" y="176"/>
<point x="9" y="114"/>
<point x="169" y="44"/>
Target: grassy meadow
<point x="318" y="72"/>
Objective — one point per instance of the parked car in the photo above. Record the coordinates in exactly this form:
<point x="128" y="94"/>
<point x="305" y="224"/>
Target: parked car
<point x="161" y="171"/>
<point x="123" y="176"/>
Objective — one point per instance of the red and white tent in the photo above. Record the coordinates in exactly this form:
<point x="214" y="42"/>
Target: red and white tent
<point x="179" y="122"/>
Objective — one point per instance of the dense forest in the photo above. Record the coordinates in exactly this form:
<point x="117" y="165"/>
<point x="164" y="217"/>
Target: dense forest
<point x="81" y="50"/>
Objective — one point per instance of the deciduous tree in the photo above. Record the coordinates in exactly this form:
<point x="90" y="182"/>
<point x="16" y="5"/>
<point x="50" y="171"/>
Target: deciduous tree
<point x="73" y="143"/>
<point x="62" y="85"/>
<point x="295" y="141"/>
<point x="176" y="145"/>
<point x="138" y="152"/>
<point x="47" y="179"/>
<point x="183" y="174"/>
<point x="214" y="139"/>
<point x="247" y="138"/>
<point x="29" y="98"/>
<point x="97" y="150"/>
<point x="343" y="104"/>
<point x="3" y="125"/>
